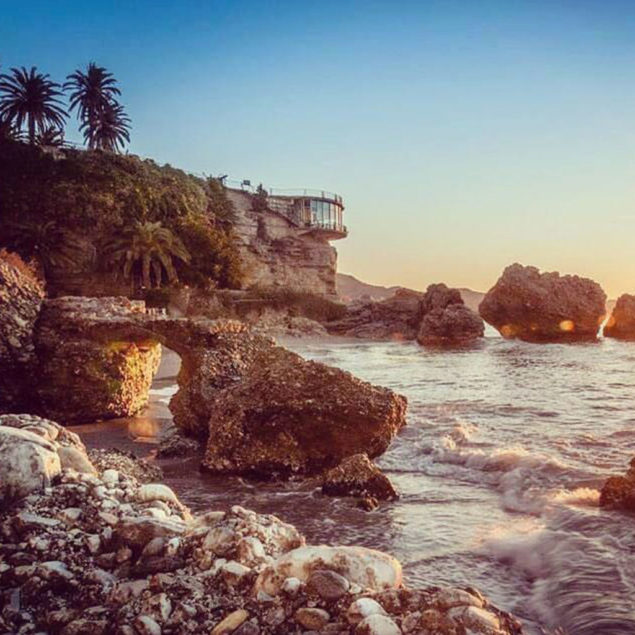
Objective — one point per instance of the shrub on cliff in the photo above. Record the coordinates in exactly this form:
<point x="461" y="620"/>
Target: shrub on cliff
<point x="95" y="194"/>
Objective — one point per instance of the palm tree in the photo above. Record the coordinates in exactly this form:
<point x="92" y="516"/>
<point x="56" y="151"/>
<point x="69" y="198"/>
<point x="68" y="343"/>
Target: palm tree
<point x="7" y="131"/>
<point x="92" y="91"/>
<point x="103" y="121"/>
<point x="31" y="98"/>
<point x="52" y="136"/>
<point x="53" y="246"/>
<point x="109" y="130"/>
<point x="149" y="245"/>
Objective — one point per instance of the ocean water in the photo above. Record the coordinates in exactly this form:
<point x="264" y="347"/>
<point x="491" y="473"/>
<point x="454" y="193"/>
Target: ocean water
<point x="499" y="467"/>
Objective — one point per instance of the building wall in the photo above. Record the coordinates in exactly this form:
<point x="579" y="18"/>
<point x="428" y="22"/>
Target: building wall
<point x="276" y="253"/>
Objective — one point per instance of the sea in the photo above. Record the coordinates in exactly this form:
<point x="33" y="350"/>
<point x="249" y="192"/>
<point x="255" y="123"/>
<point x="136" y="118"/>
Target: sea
<point x="499" y="468"/>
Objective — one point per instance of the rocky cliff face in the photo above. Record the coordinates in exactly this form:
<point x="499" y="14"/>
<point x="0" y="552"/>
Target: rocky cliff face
<point x="277" y="253"/>
<point x="621" y="324"/>
<point x="20" y="299"/>
<point x="81" y="377"/>
<point x="544" y="307"/>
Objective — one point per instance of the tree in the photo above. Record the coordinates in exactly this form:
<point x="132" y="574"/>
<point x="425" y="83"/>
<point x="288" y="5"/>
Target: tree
<point x="53" y="246"/>
<point x="52" y="136"/>
<point x="150" y="247"/>
<point x="109" y="131"/>
<point x="7" y="131"/>
<point x="103" y="120"/>
<point x="32" y="99"/>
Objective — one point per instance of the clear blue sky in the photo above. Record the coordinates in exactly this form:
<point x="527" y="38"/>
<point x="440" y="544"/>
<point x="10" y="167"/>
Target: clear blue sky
<point x="463" y="135"/>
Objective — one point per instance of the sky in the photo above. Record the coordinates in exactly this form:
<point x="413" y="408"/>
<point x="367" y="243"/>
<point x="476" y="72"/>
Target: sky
<point x="463" y="136"/>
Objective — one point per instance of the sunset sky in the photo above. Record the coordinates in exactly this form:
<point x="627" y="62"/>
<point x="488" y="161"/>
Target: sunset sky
<point x="463" y="136"/>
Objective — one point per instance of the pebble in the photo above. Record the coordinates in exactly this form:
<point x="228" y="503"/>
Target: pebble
<point x="328" y="585"/>
<point x="110" y="477"/>
<point x="230" y="623"/>
<point x="362" y="608"/>
<point x="146" y="625"/>
<point x="312" y="619"/>
<point x="377" y="625"/>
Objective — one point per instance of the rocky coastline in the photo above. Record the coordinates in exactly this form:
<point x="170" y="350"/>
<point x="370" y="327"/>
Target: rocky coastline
<point x="89" y="549"/>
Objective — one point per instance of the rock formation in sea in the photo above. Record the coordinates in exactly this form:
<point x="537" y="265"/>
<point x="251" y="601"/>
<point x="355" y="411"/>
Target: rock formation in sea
<point x="358" y="476"/>
<point x="21" y="295"/>
<point x="83" y="377"/>
<point x="445" y="320"/>
<point x="286" y="415"/>
<point x="544" y="307"/>
<point x="619" y="491"/>
<point x="395" y="318"/>
<point x="94" y="551"/>
<point x="621" y="323"/>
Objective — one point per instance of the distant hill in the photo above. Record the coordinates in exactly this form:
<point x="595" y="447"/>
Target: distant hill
<point x="349" y="288"/>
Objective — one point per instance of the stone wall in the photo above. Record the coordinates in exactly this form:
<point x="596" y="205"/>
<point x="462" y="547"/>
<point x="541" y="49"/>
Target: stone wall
<point x="277" y="253"/>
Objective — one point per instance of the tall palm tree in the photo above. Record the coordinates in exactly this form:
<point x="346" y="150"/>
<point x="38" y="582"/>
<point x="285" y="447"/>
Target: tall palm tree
<point x="7" y="130"/>
<point x="51" y="136"/>
<point x="92" y="91"/>
<point x="31" y="98"/>
<point x="150" y="246"/>
<point x="103" y="121"/>
<point x="109" y="130"/>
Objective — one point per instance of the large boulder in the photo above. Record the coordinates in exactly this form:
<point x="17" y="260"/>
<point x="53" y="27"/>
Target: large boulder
<point x="21" y="295"/>
<point x="286" y="415"/>
<point x="84" y="378"/>
<point x="446" y="320"/>
<point x="621" y="324"/>
<point x="544" y="307"/>
<point x="619" y="491"/>
<point x="396" y="318"/>
<point x="33" y="452"/>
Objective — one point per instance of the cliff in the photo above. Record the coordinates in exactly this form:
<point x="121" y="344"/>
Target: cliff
<point x="275" y="252"/>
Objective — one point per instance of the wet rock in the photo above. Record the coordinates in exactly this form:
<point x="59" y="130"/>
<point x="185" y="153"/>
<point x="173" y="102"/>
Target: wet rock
<point x="621" y="323"/>
<point x="619" y="491"/>
<point x="21" y="295"/>
<point x="454" y="325"/>
<point x="357" y="476"/>
<point x="366" y="567"/>
<point x="287" y="415"/>
<point x="544" y="307"/>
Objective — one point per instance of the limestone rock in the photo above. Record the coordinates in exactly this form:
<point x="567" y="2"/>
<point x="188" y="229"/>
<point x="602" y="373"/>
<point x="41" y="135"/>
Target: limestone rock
<point x="396" y="318"/>
<point x="621" y="324"/>
<point x="619" y="491"/>
<point x="287" y="415"/>
<point x="83" y="378"/>
<point x="357" y="476"/>
<point x="544" y="307"/>
<point x="365" y="567"/>
<point x="445" y="320"/>
<point x="20" y="299"/>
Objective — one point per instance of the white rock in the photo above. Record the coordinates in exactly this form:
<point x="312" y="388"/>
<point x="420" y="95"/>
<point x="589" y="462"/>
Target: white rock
<point x="147" y="626"/>
<point x="71" y="513"/>
<point x="362" y="608"/>
<point x="28" y="463"/>
<point x="291" y="586"/>
<point x="366" y="567"/>
<point x="234" y="571"/>
<point x="156" y="491"/>
<point x="475" y="619"/>
<point x="72" y="458"/>
<point x="449" y="597"/>
<point x="110" y="477"/>
<point x="377" y="625"/>
<point x="93" y="541"/>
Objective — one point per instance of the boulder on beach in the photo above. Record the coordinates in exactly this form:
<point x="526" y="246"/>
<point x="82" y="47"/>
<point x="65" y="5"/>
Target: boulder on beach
<point x="544" y="307"/>
<point x="97" y="552"/>
<point x="619" y="491"/>
<point x="21" y="295"/>
<point x="286" y="415"/>
<point x="621" y="323"/>
<point x="394" y="318"/>
<point x="445" y="320"/>
<point x="357" y="475"/>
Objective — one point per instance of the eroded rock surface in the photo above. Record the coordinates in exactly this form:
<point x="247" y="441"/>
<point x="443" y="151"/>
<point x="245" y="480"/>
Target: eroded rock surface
<point x="396" y="318"/>
<point x="287" y="415"/>
<point x="544" y="307"/>
<point x="445" y="320"/>
<point x="20" y="299"/>
<point x="619" y="491"/>
<point x="104" y="554"/>
<point x="621" y="323"/>
<point x="357" y="476"/>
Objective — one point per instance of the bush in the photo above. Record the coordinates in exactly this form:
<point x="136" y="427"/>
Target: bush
<point x="157" y="298"/>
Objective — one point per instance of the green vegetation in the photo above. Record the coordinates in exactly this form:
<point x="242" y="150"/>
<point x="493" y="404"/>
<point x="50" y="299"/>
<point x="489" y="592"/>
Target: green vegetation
<point x="69" y="207"/>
